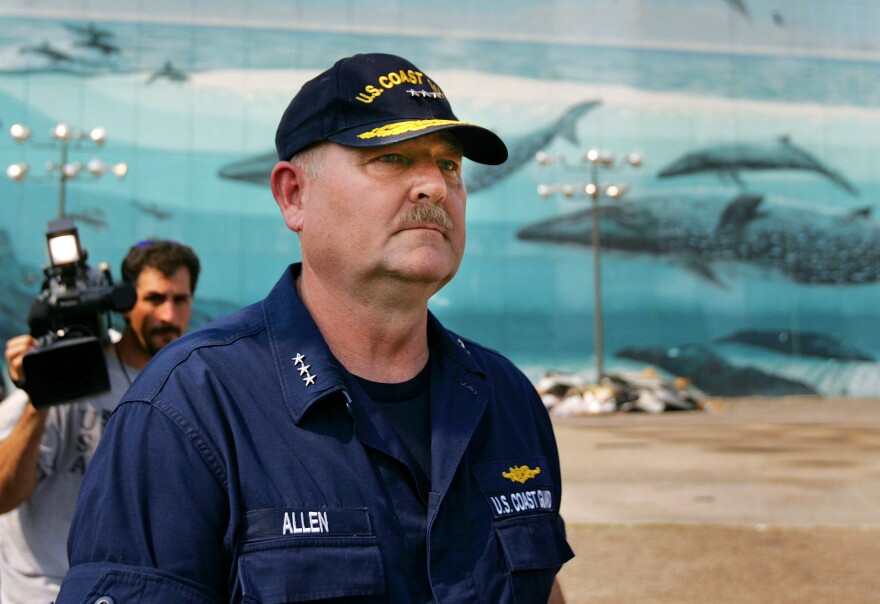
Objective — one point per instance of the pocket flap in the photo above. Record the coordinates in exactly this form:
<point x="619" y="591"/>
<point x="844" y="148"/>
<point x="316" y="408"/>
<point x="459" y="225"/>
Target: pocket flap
<point x="301" y="572"/>
<point x="534" y="542"/>
<point x="309" y="553"/>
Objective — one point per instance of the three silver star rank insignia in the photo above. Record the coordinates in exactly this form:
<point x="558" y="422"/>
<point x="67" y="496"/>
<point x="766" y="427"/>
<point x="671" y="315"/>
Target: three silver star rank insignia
<point x="299" y="361"/>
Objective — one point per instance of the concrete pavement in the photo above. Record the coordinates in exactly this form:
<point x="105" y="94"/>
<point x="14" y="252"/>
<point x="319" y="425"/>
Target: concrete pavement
<point x="758" y="500"/>
<point x="780" y="462"/>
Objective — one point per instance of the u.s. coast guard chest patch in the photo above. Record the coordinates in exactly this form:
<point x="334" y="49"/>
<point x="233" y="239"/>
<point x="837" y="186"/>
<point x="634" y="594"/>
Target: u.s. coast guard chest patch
<point x="519" y="486"/>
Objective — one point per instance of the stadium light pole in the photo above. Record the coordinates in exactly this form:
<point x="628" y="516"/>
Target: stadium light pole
<point x="64" y="139"/>
<point x="595" y="161"/>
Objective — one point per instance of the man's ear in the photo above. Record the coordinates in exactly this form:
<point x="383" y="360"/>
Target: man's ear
<point x="126" y="315"/>
<point x="287" y="183"/>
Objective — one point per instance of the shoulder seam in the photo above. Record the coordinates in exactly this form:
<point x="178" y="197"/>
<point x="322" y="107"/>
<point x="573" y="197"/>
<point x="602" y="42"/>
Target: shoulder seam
<point x="192" y="435"/>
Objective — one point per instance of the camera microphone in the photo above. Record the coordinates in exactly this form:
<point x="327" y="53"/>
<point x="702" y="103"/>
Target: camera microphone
<point x="40" y="317"/>
<point x="120" y="297"/>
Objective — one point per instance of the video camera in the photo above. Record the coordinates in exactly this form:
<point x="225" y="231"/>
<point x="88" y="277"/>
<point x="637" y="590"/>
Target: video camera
<point x="68" y="363"/>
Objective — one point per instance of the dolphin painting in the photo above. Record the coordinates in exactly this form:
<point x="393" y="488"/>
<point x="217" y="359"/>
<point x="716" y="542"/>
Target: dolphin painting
<point x="805" y="343"/>
<point x="16" y="278"/>
<point x="151" y="209"/>
<point x="99" y="44"/>
<point x="523" y="149"/>
<point x="46" y="50"/>
<point x="169" y="72"/>
<point x="740" y="7"/>
<point x="811" y="245"/>
<point x="94" y="37"/>
<point x="729" y="160"/>
<point x="778" y="19"/>
<point x="93" y="217"/>
<point x="256" y="169"/>
<point x="90" y="31"/>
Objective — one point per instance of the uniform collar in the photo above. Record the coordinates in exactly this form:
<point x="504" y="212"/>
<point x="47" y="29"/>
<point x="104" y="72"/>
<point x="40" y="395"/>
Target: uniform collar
<point x="452" y="347"/>
<point x="307" y="369"/>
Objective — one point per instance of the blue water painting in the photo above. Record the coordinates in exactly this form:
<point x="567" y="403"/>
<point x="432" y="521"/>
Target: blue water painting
<point x="748" y="236"/>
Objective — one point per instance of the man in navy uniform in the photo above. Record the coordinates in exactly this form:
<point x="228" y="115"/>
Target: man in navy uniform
<point x="334" y="441"/>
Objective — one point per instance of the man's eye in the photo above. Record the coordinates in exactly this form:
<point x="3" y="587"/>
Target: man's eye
<point x="448" y="165"/>
<point x="390" y="158"/>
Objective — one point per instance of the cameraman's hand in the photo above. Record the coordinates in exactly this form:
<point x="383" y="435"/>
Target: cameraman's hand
<point x="15" y="351"/>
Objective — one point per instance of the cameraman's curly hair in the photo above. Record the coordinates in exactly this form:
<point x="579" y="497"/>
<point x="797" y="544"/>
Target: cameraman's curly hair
<point x="162" y="254"/>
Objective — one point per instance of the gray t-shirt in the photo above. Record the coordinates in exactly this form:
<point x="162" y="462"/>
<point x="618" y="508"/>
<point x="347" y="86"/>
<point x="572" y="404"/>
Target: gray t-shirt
<point x="33" y="537"/>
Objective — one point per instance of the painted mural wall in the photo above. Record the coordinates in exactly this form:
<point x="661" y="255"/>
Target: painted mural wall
<point x="744" y="253"/>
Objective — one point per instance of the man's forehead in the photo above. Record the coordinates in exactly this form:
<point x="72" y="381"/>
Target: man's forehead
<point x="151" y="280"/>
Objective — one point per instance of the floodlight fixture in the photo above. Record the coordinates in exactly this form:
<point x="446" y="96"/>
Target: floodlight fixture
<point x="19" y="132"/>
<point x="62" y="243"/>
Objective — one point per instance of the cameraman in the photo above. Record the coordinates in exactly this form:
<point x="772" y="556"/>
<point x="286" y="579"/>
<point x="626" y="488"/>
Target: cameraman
<point x="44" y="452"/>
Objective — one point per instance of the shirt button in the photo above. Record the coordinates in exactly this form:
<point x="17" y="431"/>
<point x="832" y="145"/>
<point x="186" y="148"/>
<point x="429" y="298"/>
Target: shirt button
<point x="105" y="600"/>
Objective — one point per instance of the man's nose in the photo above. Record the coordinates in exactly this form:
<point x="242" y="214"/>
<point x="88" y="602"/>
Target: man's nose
<point x="166" y="312"/>
<point x="429" y="182"/>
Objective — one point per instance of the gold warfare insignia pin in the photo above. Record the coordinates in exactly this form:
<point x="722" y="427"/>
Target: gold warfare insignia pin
<point x="521" y="474"/>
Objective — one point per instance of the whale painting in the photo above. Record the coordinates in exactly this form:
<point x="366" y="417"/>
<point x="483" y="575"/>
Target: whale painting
<point x="732" y="159"/>
<point x="256" y="169"/>
<point x="811" y="245"/>
<point x="713" y="374"/>
<point x="806" y="343"/>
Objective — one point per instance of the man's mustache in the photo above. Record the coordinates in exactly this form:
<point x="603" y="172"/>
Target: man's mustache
<point x="427" y="213"/>
<point x="165" y="329"/>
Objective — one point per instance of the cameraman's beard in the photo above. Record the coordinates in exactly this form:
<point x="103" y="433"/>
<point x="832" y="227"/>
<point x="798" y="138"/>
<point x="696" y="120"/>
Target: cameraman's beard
<point x="157" y="338"/>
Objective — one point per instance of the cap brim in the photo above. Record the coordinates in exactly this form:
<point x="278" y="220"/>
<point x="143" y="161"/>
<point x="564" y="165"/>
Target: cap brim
<point x="479" y="144"/>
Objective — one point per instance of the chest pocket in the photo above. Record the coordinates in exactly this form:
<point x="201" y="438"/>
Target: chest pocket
<point x="521" y="496"/>
<point x="300" y="555"/>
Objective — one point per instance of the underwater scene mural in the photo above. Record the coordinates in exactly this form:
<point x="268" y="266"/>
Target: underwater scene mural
<point x="742" y="255"/>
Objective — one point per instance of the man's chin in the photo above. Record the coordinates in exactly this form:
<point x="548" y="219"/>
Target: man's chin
<point x="428" y="264"/>
<point x="159" y="341"/>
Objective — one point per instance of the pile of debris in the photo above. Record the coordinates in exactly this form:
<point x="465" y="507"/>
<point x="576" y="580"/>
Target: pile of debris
<point x="567" y="394"/>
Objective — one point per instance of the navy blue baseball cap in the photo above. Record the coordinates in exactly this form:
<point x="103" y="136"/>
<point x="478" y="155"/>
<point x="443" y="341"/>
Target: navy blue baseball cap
<point x="369" y="100"/>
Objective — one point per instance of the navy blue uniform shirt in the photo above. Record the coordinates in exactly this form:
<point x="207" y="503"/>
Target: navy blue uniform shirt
<point x="243" y="467"/>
